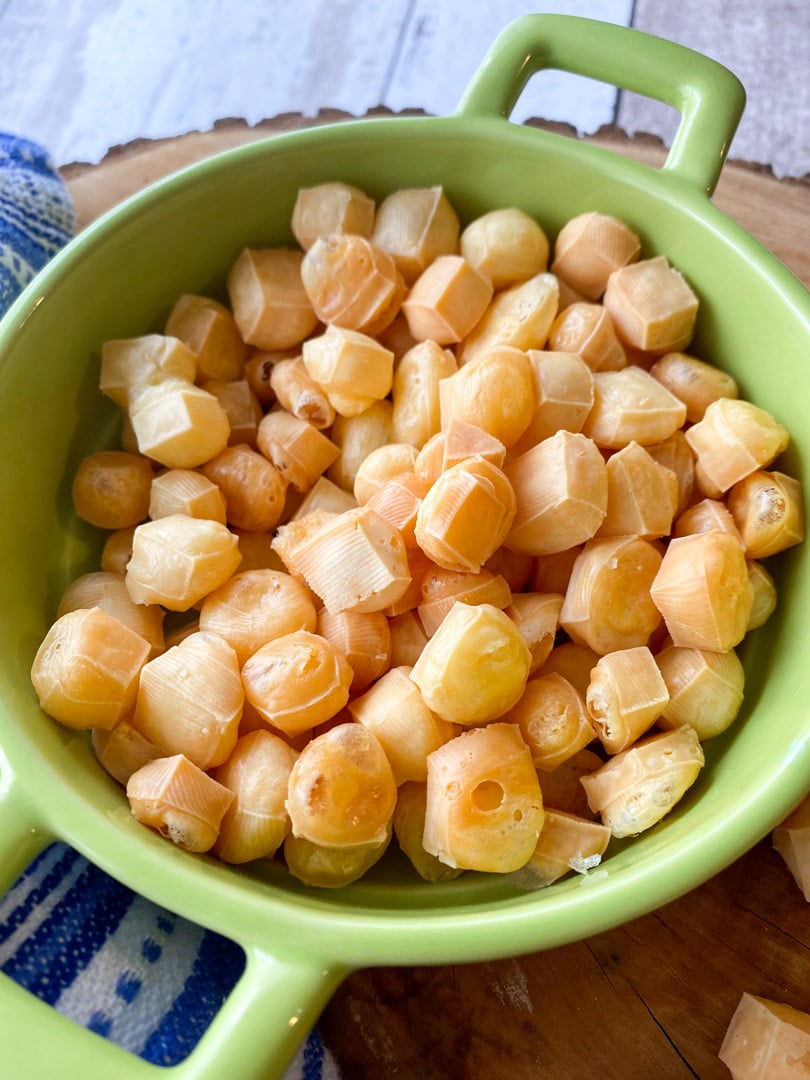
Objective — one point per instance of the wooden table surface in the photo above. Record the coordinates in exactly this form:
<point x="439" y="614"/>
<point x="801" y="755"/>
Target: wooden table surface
<point x="650" y="1000"/>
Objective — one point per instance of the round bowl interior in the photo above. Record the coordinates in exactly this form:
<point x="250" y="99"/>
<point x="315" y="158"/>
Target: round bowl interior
<point x="121" y="278"/>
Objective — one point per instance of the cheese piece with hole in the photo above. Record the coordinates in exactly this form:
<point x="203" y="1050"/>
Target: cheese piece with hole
<point x="484" y="807"/>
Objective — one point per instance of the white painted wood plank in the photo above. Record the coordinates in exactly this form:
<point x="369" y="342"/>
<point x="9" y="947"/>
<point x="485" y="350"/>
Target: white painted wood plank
<point x="767" y="45"/>
<point x="445" y="43"/>
<point x="83" y="76"/>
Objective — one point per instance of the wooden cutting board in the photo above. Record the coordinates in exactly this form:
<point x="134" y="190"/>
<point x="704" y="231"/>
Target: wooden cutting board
<point x="650" y="1000"/>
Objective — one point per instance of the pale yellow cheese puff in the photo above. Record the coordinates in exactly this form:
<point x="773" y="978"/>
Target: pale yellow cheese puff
<point x="768" y="508"/>
<point x="331" y="208"/>
<point x="415" y="226"/>
<point x="256" y="822"/>
<point x="352" y="283"/>
<point x="332" y="867"/>
<point x="567" y="842"/>
<point x="257" y="606"/>
<point x="128" y="365"/>
<point x="209" y="329"/>
<point x="442" y="588"/>
<point x="769" y="1036"/>
<point x="122" y="750"/>
<point x="589" y="247"/>
<point x="108" y="591"/>
<point x="561" y="489"/>
<point x="177" y="560"/>
<point x="180" y="800"/>
<point x="409" y="829"/>
<point x="734" y="439"/>
<point x="269" y="302"/>
<point x="297" y="681"/>
<point x="506" y="245"/>
<point x="394" y="710"/>
<point x="415" y="392"/>
<point x="475" y="666"/>
<point x="190" y="700"/>
<point x="465" y="516"/>
<point x="467" y="395"/>
<point x="703" y="591"/>
<point x="342" y="791"/>
<point x="253" y="487"/>
<point x="608" y="604"/>
<point x="553" y="721"/>
<point x="640" y="785"/>
<point x="625" y="696"/>
<point x="111" y="489"/>
<point x="705" y="689"/>
<point x="85" y="671"/>
<point x="363" y="637"/>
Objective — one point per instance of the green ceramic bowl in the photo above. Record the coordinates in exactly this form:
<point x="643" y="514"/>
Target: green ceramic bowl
<point x="120" y="278"/>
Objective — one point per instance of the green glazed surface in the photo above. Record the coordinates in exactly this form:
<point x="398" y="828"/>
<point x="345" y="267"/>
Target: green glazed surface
<point x="121" y="278"/>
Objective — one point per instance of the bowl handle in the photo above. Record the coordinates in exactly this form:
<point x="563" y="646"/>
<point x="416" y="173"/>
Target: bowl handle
<point x="267" y="1015"/>
<point x="22" y="834"/>
<point x="709" y="97"/>
<point x="254" y="1036"/>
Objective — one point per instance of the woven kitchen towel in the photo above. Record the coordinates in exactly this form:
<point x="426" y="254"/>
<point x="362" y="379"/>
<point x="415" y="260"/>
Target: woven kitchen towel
<point x="36" y="214"/>
<point x="109" y="959"/>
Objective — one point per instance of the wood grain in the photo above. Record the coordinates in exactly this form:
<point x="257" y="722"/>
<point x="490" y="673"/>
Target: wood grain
<point x="649" y="1000"/>
<point x="777" y="213"/>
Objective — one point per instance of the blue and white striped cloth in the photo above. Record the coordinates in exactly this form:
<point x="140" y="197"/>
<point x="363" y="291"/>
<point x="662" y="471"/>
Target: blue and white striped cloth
<point x="36" y="214"/>
<point x="145" y="978"/>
